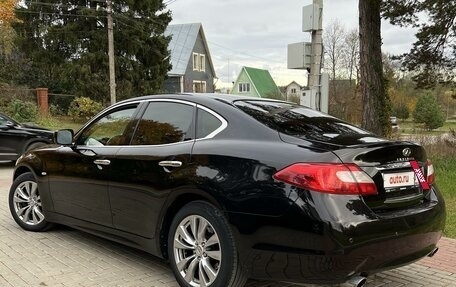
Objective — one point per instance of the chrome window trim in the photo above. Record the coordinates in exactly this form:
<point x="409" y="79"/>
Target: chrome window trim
<point x="116" y="106"/>
<point x="106" y="111"/>
<point x="173" y="101"/>
<point x="219" y="117"/>
<point x="394" y="165"/>
<point x="153" y="145"/>
<point x="209" y="136"/>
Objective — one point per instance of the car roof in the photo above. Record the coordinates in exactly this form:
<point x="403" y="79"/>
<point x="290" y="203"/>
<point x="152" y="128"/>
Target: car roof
<point x="196" y="97"/>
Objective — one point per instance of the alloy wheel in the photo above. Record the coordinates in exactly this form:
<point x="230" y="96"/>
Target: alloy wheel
<point x="27" y="203"/>
<point x="197" y="251"/>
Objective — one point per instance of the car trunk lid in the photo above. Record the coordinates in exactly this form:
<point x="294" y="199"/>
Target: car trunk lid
<point x="389" y="165"/>
<point x="386" y="162"/>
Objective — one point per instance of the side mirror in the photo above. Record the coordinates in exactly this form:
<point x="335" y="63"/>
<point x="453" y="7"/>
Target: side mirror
<point x="6" y="126"/>
<point x="64" y="137"/>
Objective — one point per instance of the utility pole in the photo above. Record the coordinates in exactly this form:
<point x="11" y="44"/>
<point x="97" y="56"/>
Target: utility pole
<point x="112" y="71"/>
<point x="314" y="78"/>
<point x="309" y="56"/>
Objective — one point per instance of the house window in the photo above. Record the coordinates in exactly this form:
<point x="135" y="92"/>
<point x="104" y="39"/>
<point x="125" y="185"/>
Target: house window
<point x="199" y="86"/>
<point x="244" y="87"/>
<point x="195" y="62"/>
<point x="293" y="91"/>
<point x="202" y="62"/>
<point x="199" y="62"/>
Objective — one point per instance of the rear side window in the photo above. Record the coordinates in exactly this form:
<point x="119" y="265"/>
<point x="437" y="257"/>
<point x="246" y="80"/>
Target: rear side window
<point x="207" y="123"/>
<point x="299" y="121"/>
<point x="164" y="123"/>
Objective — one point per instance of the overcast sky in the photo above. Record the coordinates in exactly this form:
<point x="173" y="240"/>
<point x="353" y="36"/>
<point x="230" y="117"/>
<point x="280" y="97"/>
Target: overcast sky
<point x="256" y="33"/>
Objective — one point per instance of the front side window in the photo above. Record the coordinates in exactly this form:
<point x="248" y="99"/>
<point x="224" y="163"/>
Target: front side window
<point x="109" y="130"/>
<point x="164" y="123"/>
<point x="293" y="91"/>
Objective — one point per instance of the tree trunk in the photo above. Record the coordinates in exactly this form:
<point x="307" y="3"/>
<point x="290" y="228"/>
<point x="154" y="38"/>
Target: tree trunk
<point x="375" y="99"/>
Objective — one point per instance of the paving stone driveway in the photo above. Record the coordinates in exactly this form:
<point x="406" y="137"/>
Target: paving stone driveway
<point x="66" y="257"/>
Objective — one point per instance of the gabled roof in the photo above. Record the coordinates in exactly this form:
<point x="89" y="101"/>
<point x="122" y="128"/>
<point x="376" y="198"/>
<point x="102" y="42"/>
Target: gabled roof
<point x="262" y="80"/>
<point x="294" y="82"/>
<point x="183" y="39"/>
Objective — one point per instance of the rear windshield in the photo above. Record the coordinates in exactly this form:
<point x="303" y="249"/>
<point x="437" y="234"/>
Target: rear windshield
<point x="302" y="122"/>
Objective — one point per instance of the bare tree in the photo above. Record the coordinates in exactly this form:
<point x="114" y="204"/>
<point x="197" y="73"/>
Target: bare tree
<point x="351" y="55"/>
<point x="333" y="40"/>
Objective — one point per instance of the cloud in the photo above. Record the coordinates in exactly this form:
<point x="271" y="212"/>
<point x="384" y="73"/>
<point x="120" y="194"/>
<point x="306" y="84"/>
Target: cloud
<point x="397" y="40"/>
<point x="256" y="32"/>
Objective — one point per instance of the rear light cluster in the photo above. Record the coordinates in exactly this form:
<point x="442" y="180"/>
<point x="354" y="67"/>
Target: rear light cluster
<point x="335" y="178"/>
<point x="430" y="173"/>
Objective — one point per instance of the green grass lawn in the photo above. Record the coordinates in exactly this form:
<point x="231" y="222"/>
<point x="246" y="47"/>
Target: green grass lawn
<point x="57" y="123"/>
<point x="445" y="168"/>
<point x="409" y="127"/>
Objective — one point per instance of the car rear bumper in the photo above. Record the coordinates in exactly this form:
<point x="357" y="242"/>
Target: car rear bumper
<point x="332" y="268"/>
<point x="310" y="246"/>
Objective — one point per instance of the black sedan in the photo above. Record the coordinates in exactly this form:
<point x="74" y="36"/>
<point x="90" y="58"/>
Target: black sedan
<point x="16" y="138"/>
<point x="228" y="188"/>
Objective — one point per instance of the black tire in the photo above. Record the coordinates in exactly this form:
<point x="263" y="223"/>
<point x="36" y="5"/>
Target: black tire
<point x="25" y="204"/>
<point x="35" y="145"/>
<point x="204" y="257"/>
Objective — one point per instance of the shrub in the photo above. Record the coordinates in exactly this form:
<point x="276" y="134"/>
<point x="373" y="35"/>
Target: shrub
<point x="84" y="108"/>
<point x="56" y="110"/>
<point x="22" y="111"/>
<point x="401" y="111"/>
<point x="275" y="95"/>
<point x="294" y="98"/>
<point x="428" y="112"/>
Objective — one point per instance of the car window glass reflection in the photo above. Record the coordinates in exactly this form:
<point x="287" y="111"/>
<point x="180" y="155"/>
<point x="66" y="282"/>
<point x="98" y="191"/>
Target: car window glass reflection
<point x="206" y="124"/>
<point x="109" y="130"/>
<point x="164" y="123"/>
<point x="298" y="121"/>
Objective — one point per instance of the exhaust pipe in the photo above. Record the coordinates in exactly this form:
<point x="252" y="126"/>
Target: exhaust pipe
<point x="357" y="281"/>
<point x="433" y="252"/>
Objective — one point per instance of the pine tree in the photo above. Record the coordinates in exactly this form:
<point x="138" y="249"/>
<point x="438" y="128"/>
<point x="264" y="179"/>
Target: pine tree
<point x="376" y="104"/>
<point x="428" y="112"/>
<point x="432" y="57"/>
<point x="66" y="40"/>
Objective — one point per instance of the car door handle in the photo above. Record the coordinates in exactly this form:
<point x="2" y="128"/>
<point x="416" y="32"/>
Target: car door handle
<point x="102" y="161"/>
<point x="170" y="163"/>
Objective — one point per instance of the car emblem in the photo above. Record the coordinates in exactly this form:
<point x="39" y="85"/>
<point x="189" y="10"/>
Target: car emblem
<point x="407" y="152"/>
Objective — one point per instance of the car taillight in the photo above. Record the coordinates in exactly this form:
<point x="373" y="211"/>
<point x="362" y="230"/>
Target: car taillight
<point x="328" y="178"/>
<point x="430" y="172"/>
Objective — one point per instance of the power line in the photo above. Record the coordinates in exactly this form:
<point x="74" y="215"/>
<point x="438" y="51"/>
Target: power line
<point x="243" y="53"/>
<point x="58" y="5"/>
<point x="133" y="20"/>
<point x="169" y="2"/>
<point x="60" y="14"/>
